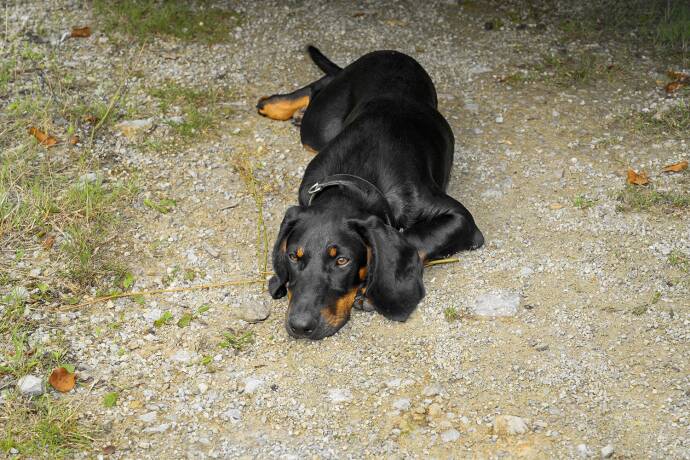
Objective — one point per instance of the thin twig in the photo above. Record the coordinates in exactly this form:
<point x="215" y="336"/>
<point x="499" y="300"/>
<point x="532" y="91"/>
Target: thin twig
<point x="431" y="263"/>
<point x="159" y="291"/>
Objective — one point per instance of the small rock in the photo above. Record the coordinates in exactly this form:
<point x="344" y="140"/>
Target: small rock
<point x="510" y="425"/>
<point x="30" y="385"/>
<point x="541" y="347"/>
<point x="157" y="429"/>
<point x="499" y="119"/>
<point x="88" y="178"/>
<point x="213" y="252"/>
<point x="202" y="387"/>
<point x="450" y="435"/>
<point x="402" y="404"/>
<point x="432" y="390"/>
<point x="393" y="383"/>
<point x="500" y="303"/>
<point x="131" y="128"/>
<point x="607" y="451"/>
<point x="252" y="313"/>
<point x="182" y="356"/>
<point x="20" y="293"/>
<point x="233" y="415"/>
<point x="149" y="417"/>
<point x="434" y="410"/>
<point x="583" y="451"/>
<point x="338" y="395"/>
<point x="251" y="384"/>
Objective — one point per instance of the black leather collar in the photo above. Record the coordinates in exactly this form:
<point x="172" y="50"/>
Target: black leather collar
<point x="357" y="184"/>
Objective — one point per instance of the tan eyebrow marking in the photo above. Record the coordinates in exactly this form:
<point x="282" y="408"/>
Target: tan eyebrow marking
<point x="363" y="273"/>
<point x="332" y="251"/>
<point x="300" y="251"/>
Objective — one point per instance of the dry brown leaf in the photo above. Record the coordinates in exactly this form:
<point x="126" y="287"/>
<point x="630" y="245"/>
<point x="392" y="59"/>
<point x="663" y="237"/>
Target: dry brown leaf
<point x="680" y="76"/>
<point x="49" y="241"/>
<point x="674" y="86"/>
<point x="74" y="140"/>
<point x="62" y="380"/>
<point x="90" y="118"/>
<point x="80" y="32"/>
<point x="42" y="137"/>
<point x="676" y="167"/>
<point x="636" y="178"/>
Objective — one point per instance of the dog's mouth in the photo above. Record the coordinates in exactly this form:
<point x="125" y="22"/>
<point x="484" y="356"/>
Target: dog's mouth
<point x="329" y="320"/>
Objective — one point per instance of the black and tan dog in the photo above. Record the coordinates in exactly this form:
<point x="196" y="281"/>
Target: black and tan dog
<point x="372" y="204"/>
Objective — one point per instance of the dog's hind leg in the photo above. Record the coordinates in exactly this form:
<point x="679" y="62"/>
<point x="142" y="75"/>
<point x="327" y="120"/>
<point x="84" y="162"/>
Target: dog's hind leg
<point x="284" y="106"/>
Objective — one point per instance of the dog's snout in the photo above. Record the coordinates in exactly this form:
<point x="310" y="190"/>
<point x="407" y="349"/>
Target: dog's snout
<point x="302" y="324"/>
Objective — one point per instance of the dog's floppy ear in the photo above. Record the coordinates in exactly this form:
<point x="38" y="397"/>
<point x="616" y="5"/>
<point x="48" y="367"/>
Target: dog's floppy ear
<point x="395" y="284"/>
<point x="276" y="285"/>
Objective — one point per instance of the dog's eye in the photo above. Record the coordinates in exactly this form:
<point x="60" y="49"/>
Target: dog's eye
<point x="341" y="261"/>
<point x="293" y="256"/>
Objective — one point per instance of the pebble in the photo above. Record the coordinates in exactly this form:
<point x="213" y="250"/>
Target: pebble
<point x="450" y="435"/>
<point x="149" y="417"/>
<point x="499" y="303"/>
<point x="607" y="451"/>
<point x="252" y="312"/>
<point x="583" y="451"/>
<point x="88" y="178"/>
<point x="499" y="119"/>
<point x="402" y="404"/>
<point x="338" y="395"/>
<point x="182" y="356"/>
<point x="30" y="385"/>
<point x="130" y="128"/>
<point x="510" y="425"/>
<point x="432" y="390"/>
<point x="251" y="384"/>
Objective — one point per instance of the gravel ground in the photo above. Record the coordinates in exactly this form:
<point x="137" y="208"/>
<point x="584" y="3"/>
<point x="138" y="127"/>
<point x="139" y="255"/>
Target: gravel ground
<point x="579" y="372"/>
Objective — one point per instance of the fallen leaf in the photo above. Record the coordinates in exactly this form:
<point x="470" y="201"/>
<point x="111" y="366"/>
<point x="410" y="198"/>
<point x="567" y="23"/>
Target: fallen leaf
<point x="674" y="86"/>
<point x="676" y="167"/>
<point x="358" y="14"/>
<point x="556" y="206"/>
<point x="674" y="75"/>
<point x="62" y="380"/>
<point x="43" y="138"/>
<point x="74" y="140"/>
<point x="109" y="450"/>
<point x="48" y="242"/>
<point x="80" y="32"/>
<point x="90" y="118"/>
<point x="636" y="178"/>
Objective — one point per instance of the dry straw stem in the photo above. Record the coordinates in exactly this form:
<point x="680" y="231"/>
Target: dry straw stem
<point x="116" y="97"/>
<point x="160" y="291"/>
<point x="452" y="260"/>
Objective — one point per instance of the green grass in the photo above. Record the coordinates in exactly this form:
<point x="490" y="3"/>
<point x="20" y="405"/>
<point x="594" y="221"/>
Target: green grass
<point x="663" y="23"/>
<point x="236" y="341"/>
<point x="636" y="198"/>
<point x="582" y="202"/>
<point x="41" y="428"/>
<point x="575" y="69"/>
<point x="672" y="122"/>
<point x="192" y="21"/>
<point x="201" y="109"/>
<point x="679" y="260"/>
<point x="451" y="314"/>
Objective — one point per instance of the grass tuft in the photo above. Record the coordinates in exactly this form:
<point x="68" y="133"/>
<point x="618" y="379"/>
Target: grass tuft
<point x="191" y="21"/>
<point x="635" y="198"/>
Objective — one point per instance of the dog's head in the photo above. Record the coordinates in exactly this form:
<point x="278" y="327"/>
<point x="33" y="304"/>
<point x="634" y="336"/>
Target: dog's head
<point x="322" y="260"/>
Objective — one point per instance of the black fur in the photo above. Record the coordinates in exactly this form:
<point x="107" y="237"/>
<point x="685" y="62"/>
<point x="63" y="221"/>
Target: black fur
<point x="375" y="119"/>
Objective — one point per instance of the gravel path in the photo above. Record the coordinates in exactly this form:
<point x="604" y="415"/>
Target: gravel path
<point x="592" y="363"/>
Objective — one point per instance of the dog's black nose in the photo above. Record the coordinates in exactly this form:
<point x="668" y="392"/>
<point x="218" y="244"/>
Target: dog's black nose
<point x="302" y="324"/>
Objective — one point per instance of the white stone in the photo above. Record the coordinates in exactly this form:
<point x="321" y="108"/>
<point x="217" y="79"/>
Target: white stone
<point x="450" y="435"/>
<point x="499" y="303"/>
<point x="402" y="404"/>
<point x="607" y="451"/>
<point x="131" y="128"/>
<point x="432" y="390"/>
<point x="30" y="385"/>
<point x="338" y="395"/>
<point x="182" y="356"/>
<point x="251" y="384"/>
<point x="510" y="425"/>
<point x="149" y="417"/>
<point x="583" y="451"/>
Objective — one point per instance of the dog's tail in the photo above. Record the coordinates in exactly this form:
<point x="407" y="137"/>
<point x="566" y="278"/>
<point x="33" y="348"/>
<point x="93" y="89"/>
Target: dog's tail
<point x="322" y="62"/>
